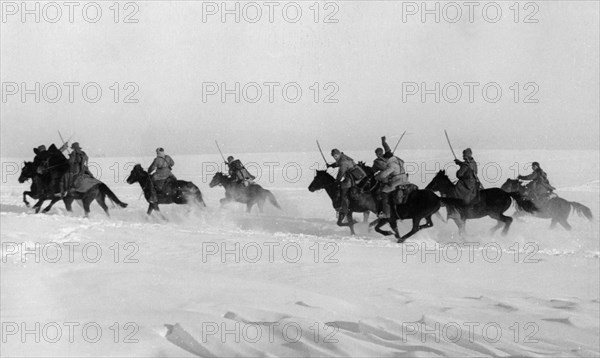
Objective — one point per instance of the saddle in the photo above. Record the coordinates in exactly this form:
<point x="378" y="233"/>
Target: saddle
<point x="400" y="195"/>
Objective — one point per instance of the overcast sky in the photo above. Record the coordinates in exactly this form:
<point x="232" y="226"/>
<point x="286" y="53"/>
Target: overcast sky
<point x="371" y="55"/>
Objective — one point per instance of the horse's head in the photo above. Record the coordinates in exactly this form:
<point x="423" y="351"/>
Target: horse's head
<point x="511" y="185"/>
<point x="321" y="181"/>
<point x="218" y="179"/>
<point x="368" y="170"/>
<point x="28" y="172"/>
<point x="136" y="174"/>
<point x="440" y="182"/>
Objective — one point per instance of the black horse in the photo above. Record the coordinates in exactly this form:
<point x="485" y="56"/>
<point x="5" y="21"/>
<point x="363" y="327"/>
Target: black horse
<point x="249" y="195"/>
<point x="556" y="208"/>
<point x="29" y="171"/>
<point x="420" y="204"/>
<point x="49" y="179"/>
<point x="174" y="191"/>
<point x="492" y="202"/>
<point x="361" y="201"/>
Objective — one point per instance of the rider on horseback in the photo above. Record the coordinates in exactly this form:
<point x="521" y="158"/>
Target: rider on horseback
<point x="239" y="172"/>
<point x="539" y="187"/>
<point x="395" y="179"/>
<point x="160" y="171"/>
<point x="379" y="163"/>
<point x="78" y="167"/>
<point x="468" y="185"/>
<point x="348" y="175"/>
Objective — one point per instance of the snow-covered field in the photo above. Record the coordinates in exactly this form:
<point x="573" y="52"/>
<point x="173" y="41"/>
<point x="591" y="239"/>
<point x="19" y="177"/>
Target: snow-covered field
<point x="292" y="283"/>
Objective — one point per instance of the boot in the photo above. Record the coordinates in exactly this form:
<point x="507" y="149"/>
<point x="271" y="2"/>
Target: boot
<point x="385" y="207"/>
<point x="153" y="197"/>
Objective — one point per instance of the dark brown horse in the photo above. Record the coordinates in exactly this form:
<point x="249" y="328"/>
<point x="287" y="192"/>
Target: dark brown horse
<point x="492" y="202"/>
<point x="174" y="191"/>
<point x="36" y="191"/>
<point x="361" y="201"/>
<point x="556" y="208"/>
<point x="420" y="204"/>
<point x="48" y="179"/>
<point x="250" y="195"/>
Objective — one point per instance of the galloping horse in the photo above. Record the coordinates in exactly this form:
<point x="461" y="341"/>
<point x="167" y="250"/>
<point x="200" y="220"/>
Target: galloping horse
<point x="50" y="186"/>
<point x="420" y="204"/>
<point x="360" y="201"/>
<point x="36" y="191"/>
<point x="249" y="195"/>
<point x="175" y="191"/>
<point x="557" y="208"/>
<point x="493" y="203"/>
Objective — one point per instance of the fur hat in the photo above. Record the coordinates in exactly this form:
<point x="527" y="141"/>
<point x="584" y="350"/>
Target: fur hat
<point x="335" y="151"/>
<point x="468" y="152"/>
<point x="75" y="146"/>
<point x="230" y="159"/>
<point x="379" y="151"/>
<point x="535" y="164"/>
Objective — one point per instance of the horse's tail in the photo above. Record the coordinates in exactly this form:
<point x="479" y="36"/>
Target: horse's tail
<point x="522" y="203"/>
<point x="106" y="191"/>
<point x="272" y="199"/>
<point x="581" y="210"/>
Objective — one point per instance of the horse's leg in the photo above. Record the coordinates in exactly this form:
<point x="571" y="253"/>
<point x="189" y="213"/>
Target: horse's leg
<point x="394" y="225"/>
<point x="565" y="224"/>
<point x="415" y="228"/>
<point x="25" y="193"/>
<point x="460" y="223"/>
<point x="553" y="223"/>
<point x="54" y="200"/>
<point x="86" y="205"/>
<point x="380" y="223"/>
<point x="150" y="208"/>
<point x="507" y="221"/>
<point x="366" y="217"/>
<point x="499" y="222"/>
<point x="351" y="223"/>
<point x="428" y="223"/>
<point x="340" y="220"/>
<point x="249" y="207"/>
<point x="261" y="205"/>
<point x="100" y="200"/>
<point x="38" y="205"/>
<point x="68" y="200"/>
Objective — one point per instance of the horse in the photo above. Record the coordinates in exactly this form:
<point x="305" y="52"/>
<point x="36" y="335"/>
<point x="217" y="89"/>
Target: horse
<point x="420" y="204"/>
<point x="174" y="191"/>
<point x="29" y="171"/>
<point x="249" y="195"/>
<point x="360" y="201"/>
<point x="493" y="202"/>
<point x="556" y="208"/>
<point x="50" y="186"/>
<point x="56" y="167"/>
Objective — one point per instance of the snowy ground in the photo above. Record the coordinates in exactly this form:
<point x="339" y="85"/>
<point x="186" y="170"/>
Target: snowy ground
<point x="290" y="282"/>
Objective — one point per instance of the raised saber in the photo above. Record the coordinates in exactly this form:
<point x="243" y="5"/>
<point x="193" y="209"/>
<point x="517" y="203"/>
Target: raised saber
<point x="321" y="151"/>
<point x="222" y="156"/>
<point x="63" y="141"/>
<point x="448" y="139"/>
<point x="396" y="147"/>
